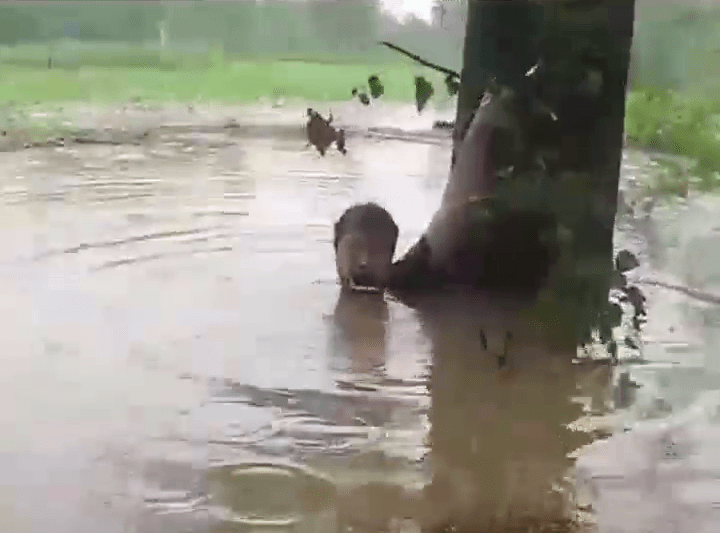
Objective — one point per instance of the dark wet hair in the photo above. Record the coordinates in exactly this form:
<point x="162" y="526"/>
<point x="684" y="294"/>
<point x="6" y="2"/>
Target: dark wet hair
<point x="369" y="218"/>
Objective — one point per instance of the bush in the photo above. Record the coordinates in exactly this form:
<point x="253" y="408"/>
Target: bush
<point x="683" y="125"/>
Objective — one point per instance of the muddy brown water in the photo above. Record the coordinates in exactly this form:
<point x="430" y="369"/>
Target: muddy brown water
<point x="177" y="356"/>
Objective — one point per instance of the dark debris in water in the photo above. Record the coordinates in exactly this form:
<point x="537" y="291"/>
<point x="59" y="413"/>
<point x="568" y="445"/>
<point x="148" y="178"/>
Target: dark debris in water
<point x="443" y="125"/>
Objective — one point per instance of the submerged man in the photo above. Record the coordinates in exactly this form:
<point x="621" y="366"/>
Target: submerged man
<point x="365" y="237"/>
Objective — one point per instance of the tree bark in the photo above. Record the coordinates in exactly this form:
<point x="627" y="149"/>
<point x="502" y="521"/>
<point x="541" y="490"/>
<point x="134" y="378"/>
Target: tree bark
<point x="583" y="47"/>
<point x="501" y="41"/>
<point x="575" y="39"/>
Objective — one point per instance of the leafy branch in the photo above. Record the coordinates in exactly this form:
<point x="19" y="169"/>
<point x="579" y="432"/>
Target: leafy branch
<point x="424" y="90"/>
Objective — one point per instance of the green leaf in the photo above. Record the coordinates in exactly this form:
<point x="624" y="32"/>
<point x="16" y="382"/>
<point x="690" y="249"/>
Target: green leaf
<point x="423" y="92"/>
<point x="452" y="84"/>
<point x="377" y="89"/>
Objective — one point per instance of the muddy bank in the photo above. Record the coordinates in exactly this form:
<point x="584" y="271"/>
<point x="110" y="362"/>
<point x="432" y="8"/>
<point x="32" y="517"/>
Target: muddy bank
<point x="135" y="123"/>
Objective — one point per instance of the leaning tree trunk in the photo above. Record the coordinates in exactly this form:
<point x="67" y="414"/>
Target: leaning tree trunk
<point x="576" y="40"/>
<point x="579" y="53"/>
<point x="501" y="41"/>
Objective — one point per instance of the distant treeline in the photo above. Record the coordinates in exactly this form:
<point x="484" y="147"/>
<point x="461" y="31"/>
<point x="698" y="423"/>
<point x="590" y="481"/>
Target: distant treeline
<point x="23" y="22"/>
<point x="675" y="43"/>
<point x="240" y="26"/>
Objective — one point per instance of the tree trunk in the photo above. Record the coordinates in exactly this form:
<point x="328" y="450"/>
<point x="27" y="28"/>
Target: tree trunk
<point x="584" y="51"/>
<point x="501" y="41"/>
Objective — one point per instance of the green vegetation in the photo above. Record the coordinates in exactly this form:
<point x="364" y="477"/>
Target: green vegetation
<point x="136" y="73"/>
<point x="248" y="28"/>
<point x="685" y="125"/>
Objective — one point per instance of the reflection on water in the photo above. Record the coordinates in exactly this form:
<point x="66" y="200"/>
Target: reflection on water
<point x="496" y="450"/>
<point x="360" y="333"/>
<point x="179" y="357"/>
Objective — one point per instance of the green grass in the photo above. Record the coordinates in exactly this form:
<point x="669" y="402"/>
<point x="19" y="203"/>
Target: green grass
<point x="120" y="74"/>
<point x="235" y="81"/>
<point x="686" y="125"/>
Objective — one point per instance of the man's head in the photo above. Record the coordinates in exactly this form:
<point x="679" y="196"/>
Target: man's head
<point x="364" y="240"/>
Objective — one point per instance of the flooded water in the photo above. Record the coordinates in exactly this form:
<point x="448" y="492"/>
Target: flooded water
<point x="177" y="356"/>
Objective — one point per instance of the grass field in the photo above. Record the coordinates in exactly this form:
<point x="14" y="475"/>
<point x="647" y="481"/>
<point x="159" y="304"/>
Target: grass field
<point x="677" y="123"/>
<point x="123" y="74"/>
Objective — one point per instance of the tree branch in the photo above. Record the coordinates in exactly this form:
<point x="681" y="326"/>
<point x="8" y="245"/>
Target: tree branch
<point x="418" y="59"/>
